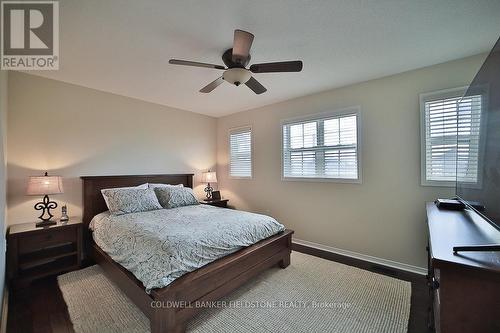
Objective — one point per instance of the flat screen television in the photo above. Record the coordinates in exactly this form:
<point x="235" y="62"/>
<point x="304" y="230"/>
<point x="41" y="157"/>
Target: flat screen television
<point x="478" y="146"/>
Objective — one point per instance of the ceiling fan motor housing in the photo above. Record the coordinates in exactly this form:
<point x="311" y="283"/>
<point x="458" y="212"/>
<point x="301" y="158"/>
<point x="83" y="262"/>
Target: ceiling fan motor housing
<point x="227" y="58"/>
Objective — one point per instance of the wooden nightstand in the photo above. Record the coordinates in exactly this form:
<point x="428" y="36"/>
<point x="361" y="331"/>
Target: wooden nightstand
<point x="217" y="203"/>
<point x="38" y="252"/>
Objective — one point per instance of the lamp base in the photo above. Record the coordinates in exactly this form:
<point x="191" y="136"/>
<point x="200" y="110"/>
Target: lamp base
<point x="45" y="206"/>
<point x="45" y="224"/>
<point x="208" y="190"/>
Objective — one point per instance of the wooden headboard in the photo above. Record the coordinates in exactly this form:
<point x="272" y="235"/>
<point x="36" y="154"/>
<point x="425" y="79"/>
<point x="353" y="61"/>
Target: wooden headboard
<point x="93" y="201"/>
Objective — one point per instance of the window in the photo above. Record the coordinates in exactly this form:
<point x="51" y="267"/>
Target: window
<point x="447" y="119"/>
<point x="322" y="147"/>
<point x="240" y="151"/>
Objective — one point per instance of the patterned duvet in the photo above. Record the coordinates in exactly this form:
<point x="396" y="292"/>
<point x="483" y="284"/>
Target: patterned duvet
<point x="161" y="245"/>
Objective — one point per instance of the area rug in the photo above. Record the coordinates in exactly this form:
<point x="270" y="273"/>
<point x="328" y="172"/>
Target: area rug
<point x="311" y="295"/>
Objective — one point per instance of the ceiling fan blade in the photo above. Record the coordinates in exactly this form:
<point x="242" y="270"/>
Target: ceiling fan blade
<point x="212" y="85"/>
<point x="256" y="86"/>
<point x="273" y="67"/>
<point x="194" y="63"/>
<point x="241" y="45"/>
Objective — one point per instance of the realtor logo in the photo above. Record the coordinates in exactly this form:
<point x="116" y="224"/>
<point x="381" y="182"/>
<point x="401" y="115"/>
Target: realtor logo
<point x="30" y="35"/>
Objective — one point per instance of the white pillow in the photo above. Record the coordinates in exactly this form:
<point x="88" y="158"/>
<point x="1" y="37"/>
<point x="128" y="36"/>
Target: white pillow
<point x="163" y="185"/>
<point x="130" y="200"/>
<point x="175" y="196"/>
<point x="143" y="186"/>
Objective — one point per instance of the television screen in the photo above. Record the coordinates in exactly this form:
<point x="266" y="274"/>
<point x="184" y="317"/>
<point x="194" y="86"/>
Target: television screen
<point x="478" y="141"/>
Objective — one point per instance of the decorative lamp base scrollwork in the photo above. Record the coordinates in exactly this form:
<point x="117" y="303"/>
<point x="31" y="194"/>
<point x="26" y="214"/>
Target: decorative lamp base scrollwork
<point x="208" y="189"/>
<point x="45" y="206"/>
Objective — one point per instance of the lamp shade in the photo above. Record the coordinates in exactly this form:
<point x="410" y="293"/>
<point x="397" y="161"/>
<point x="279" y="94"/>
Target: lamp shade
<point x="209" y="177"/>
<point x="42" y="185"/>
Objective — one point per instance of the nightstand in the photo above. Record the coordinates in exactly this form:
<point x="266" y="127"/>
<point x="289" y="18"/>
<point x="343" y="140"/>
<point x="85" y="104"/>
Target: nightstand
<point x="217" y="203"/>
<point x="38" y="252"/>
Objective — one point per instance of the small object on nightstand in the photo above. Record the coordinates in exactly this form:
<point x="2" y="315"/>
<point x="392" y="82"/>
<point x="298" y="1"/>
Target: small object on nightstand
<point x="45" y="185"/>
<point x="216" y="195"/>
<point x="35" y="252"/>
<point x="217" y="203"/>
<point x="64" y="214"/>
<point x="209" y="177"/>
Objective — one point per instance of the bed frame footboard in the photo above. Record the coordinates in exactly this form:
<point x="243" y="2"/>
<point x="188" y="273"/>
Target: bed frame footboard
<point x="169" y="308"/>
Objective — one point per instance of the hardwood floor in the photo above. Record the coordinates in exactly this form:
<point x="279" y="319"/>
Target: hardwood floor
<point x="41" y="307"/>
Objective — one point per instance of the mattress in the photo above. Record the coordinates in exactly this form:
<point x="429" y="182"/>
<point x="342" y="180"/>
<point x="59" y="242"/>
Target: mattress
<point x="160" y="246"/>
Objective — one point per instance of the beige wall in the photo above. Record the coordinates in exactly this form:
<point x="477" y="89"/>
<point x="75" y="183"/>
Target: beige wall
<point x="74" y="131"/>
<point x="384" y="216"/>
<point x="3" y="177"/>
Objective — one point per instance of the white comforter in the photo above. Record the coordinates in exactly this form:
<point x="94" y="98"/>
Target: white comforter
<point x="161" y="245"/>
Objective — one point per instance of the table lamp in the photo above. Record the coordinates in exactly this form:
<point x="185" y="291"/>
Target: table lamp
<point x="209" y="177"/>
<point x="45" y="185"/>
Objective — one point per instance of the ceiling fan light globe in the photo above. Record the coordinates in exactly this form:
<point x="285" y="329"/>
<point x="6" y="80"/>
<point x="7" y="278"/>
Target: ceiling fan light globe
<point x="237" y="76"/>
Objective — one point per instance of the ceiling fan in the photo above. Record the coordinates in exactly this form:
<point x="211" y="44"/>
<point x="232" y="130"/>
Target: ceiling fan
<point x="236" y="59"/>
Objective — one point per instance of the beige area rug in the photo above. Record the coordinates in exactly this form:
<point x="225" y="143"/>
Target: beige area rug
<point x="311" y="295"/>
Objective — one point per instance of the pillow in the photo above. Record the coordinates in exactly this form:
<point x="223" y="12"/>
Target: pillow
<point x="175" y="196"/>
<point x="163" y="185"/>
<point x="130" y="200"/>
<point x="143" y="186"/>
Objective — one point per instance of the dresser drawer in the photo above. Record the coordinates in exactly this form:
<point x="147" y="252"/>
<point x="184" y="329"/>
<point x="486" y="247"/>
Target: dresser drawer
<point x="31" y="243"/>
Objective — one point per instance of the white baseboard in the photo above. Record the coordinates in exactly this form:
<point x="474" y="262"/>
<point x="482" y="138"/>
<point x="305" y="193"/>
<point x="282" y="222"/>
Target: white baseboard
<point x="375" y="260"/>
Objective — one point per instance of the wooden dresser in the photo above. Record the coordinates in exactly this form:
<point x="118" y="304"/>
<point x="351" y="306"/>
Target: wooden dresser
<point x="38" y="252"/>
<point x="465" y="286"/>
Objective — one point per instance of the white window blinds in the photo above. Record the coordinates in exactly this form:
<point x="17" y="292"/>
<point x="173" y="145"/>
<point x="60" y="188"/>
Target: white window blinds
<point x="240" y="151"/>
<point x="452" y="135"/>
<point x="325" y="147"/>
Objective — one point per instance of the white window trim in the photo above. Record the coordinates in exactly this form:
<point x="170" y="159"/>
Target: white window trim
<point x="251" y="155"/>
<point x="354" y="110"/>
<point x="425" y="97"/>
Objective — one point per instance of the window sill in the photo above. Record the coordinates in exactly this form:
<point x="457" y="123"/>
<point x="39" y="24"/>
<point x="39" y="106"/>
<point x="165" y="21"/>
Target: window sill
<point x="244" y="178"/>
<point x="436" y="183"/>
<point x="322" y="180"/>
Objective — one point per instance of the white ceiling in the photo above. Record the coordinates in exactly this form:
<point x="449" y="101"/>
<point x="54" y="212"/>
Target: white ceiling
<point x="123" y="46"/>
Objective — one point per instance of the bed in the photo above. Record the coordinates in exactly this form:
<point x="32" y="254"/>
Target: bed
<point x="170" y="307"/>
